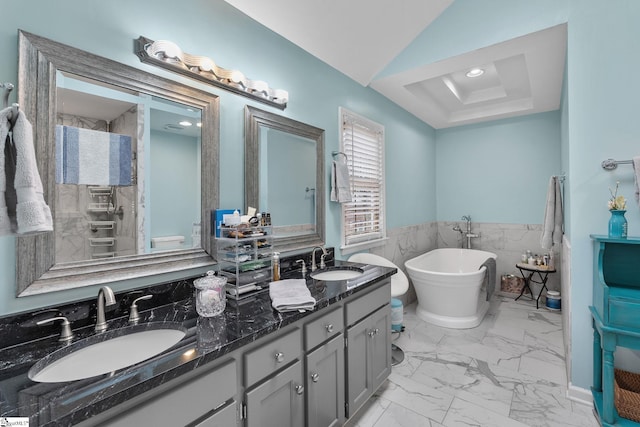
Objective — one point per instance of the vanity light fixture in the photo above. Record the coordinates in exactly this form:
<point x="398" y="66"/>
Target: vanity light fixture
<point x="475" y="72"/>
<point x="168" y="55"/>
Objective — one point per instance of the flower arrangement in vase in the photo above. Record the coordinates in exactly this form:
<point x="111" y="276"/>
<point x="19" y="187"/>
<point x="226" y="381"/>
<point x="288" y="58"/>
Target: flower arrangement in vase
<point x="617" y="206"/>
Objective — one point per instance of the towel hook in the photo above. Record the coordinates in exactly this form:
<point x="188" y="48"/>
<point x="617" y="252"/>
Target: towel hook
<point x="8" y="87"/>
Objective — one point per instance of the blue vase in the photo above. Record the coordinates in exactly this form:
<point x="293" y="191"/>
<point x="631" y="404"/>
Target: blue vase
<point x="618" y="225"/>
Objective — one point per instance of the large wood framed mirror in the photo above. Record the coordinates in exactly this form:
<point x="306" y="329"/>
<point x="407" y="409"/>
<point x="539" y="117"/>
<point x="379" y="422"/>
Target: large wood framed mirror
<point x="284" y="175"/>
<point x="121" y="230"/>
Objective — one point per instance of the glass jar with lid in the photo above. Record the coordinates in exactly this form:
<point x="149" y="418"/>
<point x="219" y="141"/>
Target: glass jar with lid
<point x="210" y="294"/>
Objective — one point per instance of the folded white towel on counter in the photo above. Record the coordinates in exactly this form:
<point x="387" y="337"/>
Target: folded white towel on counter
<point x="291" y="295"/>
<point x="340" y="184"/>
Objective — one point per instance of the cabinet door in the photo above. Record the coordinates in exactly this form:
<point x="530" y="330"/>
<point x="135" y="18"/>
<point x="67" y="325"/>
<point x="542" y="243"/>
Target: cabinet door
<point x="279" y="401"/>
<point x="381" y="346"/>
<point x="368" y="357"/>
<point x="325" y="384"/>
<point x="359" y="385"/>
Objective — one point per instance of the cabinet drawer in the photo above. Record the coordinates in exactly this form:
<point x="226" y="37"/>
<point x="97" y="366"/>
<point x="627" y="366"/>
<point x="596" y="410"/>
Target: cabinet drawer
<point x="323" y="328"/>
<point x="223" y="418"/>
<point x="368" y="303"/>
<point x="270" y="357"/>
<point x="624" y="312"/>
<point x="184" y="403"/>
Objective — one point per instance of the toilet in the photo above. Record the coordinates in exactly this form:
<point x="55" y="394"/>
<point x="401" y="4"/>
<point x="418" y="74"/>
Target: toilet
<point x="399" y="286"/>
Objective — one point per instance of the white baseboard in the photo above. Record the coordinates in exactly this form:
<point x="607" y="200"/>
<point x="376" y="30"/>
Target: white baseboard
<point x="579" y="395"/>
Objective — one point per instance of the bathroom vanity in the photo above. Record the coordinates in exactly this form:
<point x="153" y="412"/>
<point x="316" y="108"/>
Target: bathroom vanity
<point x="252" y="366"/>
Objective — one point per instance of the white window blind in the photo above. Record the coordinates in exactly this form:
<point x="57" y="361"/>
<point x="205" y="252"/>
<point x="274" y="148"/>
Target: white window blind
<point x="363" y="143"/>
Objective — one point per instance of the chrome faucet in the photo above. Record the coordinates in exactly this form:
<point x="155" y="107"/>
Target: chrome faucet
<point x="468" y="234"/>
<point x="106" y="298"/>
<point x="314" y="267"/>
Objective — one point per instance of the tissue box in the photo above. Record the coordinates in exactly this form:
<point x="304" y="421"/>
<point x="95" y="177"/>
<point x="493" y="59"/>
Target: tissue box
<point x="218" y="217"/>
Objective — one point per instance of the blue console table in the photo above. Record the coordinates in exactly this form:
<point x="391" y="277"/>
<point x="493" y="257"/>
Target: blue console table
<point x="616" y="316"/>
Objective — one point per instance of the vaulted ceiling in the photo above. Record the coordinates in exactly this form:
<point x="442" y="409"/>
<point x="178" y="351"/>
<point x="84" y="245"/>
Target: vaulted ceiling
<point x="519" y="76"/>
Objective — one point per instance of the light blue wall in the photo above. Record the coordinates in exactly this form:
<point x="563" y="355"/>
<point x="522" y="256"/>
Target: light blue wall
<point x="213" y="28"/>
<point x="175" y="192"/>
<point x="287" y="201"/>
<point x="602" y="123"/>
<point x="498" y="171"/>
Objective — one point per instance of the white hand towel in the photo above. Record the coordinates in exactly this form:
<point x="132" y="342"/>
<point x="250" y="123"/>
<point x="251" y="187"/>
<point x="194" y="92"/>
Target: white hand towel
<point x="5" y="223"/>
<point x="291" y="295"/>
<point x="553" y="216"/>
<point x="32" y="213"/>
<point x="636" y="170"/>
<point x="340" y="183"/>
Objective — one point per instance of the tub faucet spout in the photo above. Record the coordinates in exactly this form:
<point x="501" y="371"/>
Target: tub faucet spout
<point x="468" y="219"/>
<point x="469" y="235"/>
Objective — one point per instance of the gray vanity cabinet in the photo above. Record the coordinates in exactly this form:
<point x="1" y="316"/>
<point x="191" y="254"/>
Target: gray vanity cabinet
<point x="316" y="373"/>
<point x="368" y="346"/>
<point x="325" y="384"/>
<point x="275" y="385"/>
<point x="277" y="402"/>
<point x="324" y="343"/>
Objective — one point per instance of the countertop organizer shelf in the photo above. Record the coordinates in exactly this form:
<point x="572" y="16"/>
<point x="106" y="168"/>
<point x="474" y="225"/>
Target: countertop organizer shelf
<point x="616" y="317"/>
<point x="244" y="258"/>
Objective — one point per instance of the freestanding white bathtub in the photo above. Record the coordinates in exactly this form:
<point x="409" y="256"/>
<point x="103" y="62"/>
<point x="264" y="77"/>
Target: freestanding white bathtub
<point x="447" y="283"/>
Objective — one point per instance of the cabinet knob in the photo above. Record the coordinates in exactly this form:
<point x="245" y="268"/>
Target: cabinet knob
<point x="279" y="357"/>
<point x="299" y="389"/>
<point x="329" y="328"/>
<point x="315" y="377"/>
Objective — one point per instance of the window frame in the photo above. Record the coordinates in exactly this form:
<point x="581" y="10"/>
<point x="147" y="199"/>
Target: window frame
<point x="380" y="238"/>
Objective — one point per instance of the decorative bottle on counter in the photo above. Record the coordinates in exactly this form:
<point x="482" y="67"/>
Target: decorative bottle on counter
<point x="276" y="266"/>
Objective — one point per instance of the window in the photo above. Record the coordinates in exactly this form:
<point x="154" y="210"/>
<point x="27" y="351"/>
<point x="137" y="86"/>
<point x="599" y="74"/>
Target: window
<point x="363" y="219"/>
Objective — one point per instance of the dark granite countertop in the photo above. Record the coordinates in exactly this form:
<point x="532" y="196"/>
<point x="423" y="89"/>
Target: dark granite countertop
<point x="207" y="339"/>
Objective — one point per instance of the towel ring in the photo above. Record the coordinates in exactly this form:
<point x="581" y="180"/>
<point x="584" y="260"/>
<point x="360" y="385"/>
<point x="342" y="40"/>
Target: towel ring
<point x="335" y="153"/>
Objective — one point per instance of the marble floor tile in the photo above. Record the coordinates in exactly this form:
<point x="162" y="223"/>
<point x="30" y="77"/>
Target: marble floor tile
<point x="399" y="416"/>
<point x="465" y="414"/>
<point x="508" y="371"/>
<point x="419" y="398"/>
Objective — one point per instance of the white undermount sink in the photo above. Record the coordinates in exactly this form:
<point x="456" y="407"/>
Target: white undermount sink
<point x="106" y="352"/>
<point x="337" y="273"/>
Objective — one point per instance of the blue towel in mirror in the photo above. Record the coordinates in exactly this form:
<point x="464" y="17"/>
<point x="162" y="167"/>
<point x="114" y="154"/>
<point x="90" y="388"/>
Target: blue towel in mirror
<point x="85" y="156"/>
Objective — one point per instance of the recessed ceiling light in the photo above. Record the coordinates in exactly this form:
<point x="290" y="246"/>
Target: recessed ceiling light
<point x="475" y="72"/>
<point x="199" y="124"/>
<point x="185" y="123"/>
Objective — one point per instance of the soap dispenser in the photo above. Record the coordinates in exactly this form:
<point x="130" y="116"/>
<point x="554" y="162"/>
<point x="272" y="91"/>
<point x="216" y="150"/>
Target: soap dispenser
<point x="275" y="264"/>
